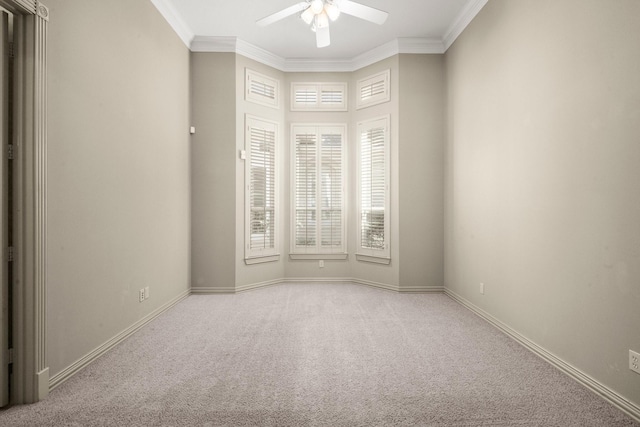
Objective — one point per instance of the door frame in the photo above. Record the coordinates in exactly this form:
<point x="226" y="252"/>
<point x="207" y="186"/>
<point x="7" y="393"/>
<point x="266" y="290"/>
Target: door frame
<point x="4" y="214"/>
<point x="30" y="382"/>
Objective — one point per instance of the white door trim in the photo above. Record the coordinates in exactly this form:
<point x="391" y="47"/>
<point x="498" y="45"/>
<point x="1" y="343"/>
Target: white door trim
<point x="30" y="366"/>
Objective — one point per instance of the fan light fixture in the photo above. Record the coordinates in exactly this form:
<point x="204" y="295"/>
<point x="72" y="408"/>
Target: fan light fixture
<point x="319" y="12"/>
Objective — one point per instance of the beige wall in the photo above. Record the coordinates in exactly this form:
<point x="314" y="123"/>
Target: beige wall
<point x="421" y="174"/>
<point x="118" y="171"/>
<point x="543" y="177"/>
<point x="213" y="217"/>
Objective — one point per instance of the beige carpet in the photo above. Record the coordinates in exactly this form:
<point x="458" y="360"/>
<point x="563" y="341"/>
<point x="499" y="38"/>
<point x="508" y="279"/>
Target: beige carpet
<point x="319" y="355"/>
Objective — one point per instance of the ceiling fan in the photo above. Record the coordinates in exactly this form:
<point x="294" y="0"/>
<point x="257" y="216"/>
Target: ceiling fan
<point x="318" y="13"/>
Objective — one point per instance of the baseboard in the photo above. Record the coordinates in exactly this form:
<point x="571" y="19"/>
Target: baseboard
<point x="304" y="280"/>
<point x="42" y="381"/>
<point x="401" y="289"/>
<point x="211" y="290"/>
<point x="309" y="280"/>
<point x="371" y="284"/>
<point x="75" y="367"/>
<point x="249" y="287"/>
<point x="421" y="289"/>
<point x="605" y="392"/>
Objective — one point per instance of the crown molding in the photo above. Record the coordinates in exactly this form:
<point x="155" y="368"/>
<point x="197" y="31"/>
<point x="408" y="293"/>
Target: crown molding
<point x="261" y="55"/>
<point x="175" y="21"/>
<point x="461" y="22"/>
<point x="387" y="50"/>
<point x="213" y="44"/>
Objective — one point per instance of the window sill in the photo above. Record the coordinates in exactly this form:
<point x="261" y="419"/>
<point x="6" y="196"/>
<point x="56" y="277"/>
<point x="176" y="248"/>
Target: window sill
<point x="373" y="259"/>
<point x="261" y="259"/>
<point x="327" y="257"/>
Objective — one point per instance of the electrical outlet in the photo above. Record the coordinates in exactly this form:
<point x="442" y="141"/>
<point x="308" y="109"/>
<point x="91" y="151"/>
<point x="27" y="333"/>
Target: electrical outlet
<point x="482" y="288"/>
<point x="634" y="361"/>
<point x="321" y="263"/>
<point x="141" y="295"/>
<point x="146" y="292"/>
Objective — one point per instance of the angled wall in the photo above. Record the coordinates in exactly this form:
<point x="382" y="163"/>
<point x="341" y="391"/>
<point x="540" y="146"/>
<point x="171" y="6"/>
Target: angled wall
<point x="213" y="212"/>
<point x="421" y="174"/>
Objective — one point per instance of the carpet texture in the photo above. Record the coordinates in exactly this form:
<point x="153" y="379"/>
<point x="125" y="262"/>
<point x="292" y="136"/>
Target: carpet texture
<point x="319" y="355"/>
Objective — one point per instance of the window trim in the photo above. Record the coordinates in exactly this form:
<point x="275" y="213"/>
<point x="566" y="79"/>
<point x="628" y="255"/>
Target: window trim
<point x="374" y="100"/>
<point x="251" y="75"/>
<point x="296" y="253"/>
<point x="254" y="256"/>
<point x="326" y="257"/>
<point x="378" y="256"/>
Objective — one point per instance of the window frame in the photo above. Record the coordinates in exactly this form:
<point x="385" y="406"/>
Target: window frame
<point x="317" y="251"/>
<point x="369" y="254"/>
<point x="385" y="96"/>
<point x="256" y="98"/>
<point x="269" y="254"/>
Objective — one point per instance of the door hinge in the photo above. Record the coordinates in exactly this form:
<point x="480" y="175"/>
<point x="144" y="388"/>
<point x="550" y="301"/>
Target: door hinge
<point x="10" y="254"/>
<point x="12" y="50"/>
<point x="10" y="152"/>
<point x="9" y="356"/>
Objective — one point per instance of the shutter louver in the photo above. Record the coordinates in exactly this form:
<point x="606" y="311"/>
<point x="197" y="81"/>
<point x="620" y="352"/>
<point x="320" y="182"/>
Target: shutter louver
<point x="373" y="187"/>
<point x="305" y="96"/>
<point x="306" y="148"/>
<point x="331" y="194"/>
<point x="332" y="97"/>
<point x="263" y="89"/>
<point x="371" y="90"/>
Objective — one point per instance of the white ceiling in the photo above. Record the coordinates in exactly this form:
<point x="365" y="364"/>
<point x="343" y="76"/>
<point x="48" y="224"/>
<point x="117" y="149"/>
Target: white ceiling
<point x="436" y="22"/>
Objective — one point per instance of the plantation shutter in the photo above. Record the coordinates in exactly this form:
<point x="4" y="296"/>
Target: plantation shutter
<point x="263" y="89"/>
<point x="318" y="97"/>
<point x="374" y="187"/>
<point x="372" y="89"/>
<point x="318" y="189"/>
<point x="262" y="186"/>
<point x="305" y="188"/>
<point x="333" y="97"/>
<point x="331" y="194"/>
<point x="305" y="96"/>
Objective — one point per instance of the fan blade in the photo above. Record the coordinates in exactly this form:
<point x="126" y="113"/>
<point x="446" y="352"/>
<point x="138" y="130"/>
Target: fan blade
<point x="363" y="12"/>
<point x="291" y="10"/>
<point x="323" y="38"/>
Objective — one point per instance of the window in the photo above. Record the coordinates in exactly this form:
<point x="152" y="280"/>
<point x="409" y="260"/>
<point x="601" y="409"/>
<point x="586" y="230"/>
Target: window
<point x="374" y="90"/>
<point x="318" y="97"/>
<point x="318" y="191"/>
<point x="373" y="184"/>
<point x="261" y="194"/>
<point x="261" y="89"/>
